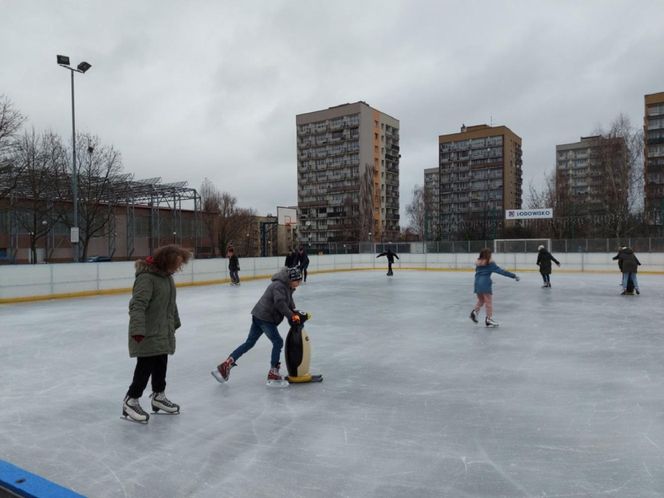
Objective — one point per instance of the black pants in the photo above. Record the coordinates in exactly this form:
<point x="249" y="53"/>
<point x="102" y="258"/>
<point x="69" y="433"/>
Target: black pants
<point x="235" y="278"/>
<point x="389" y="267"/>
<point x="546" y="277"/>
<point x="304" y="273"/>
<point x="146" y="367"/>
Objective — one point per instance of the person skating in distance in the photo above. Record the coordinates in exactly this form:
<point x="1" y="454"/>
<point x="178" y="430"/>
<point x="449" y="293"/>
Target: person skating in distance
<point x="153" y="320"/>
<point x="233" y="266"/>
<point x="544" y="259"/>
<point x="629" y="265"/>
<point x="390" y="254"/>
<point x="484" y="267"/>
<point x="303" y="262"/>
<point x="275" y="304"/>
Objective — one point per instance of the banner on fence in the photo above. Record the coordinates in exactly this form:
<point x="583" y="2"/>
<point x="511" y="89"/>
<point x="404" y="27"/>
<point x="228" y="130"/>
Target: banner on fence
<point x="528" y="214"/>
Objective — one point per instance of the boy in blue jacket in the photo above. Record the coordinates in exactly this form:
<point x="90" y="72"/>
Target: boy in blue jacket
<point x="483" y="285"/>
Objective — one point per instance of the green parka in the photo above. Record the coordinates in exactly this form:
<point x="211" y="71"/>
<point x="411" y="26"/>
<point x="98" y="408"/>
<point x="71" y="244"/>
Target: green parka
<point x="153" y="313"/>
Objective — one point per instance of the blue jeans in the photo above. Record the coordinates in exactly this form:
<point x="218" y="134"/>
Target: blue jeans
<point x="258" y="328"/>
<point x="626" y="278"/>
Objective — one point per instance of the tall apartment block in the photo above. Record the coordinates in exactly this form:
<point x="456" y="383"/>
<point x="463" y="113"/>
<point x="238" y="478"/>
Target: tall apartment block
<point x="431" y="204"/>
<point x="347" y="175"/>
<point x="591" y="176"/>
<point x="653" y="134"/>
<point x="480" y="177"/>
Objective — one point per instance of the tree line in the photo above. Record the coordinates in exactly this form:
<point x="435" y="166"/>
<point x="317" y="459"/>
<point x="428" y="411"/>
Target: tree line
<point x="36" y="188"/>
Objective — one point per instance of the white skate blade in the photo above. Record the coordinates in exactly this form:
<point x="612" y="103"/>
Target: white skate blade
<point x="162" y="411"/>
<point x="277" y="384"/>
<point x="129" y="419"/>
<point x="217" y="375"/>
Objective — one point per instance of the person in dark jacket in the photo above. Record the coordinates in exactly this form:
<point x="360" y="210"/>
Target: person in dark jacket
<point x="275" y="304"/>
<point x="291" y="258"/>
<point x="233" y="266"/>
<point x="303" y="262"/>
<point x="153" y="320"/>
<point x="628" y="263"/>
<point x="390" y="254"/>
<point x="484" y="267"/>
<point x="544" y="259"/>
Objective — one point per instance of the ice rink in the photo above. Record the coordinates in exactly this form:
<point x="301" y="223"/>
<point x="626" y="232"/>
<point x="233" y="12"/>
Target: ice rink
<point x="564" y="399"/>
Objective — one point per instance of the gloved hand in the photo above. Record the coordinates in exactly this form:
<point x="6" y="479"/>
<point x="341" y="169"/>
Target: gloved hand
<point x="138" y="338"/>
<point x="517" y="278"/>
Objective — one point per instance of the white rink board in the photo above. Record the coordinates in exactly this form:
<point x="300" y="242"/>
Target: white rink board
<point x="23" y="281"/>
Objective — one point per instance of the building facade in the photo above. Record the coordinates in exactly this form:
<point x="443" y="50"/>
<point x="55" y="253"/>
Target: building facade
<point x="348" y="175"/>
<point x="480" y="171"/>
<point x="653" y="134"/>
<point x="591" y="176"/>
<point x="431" y="204"/>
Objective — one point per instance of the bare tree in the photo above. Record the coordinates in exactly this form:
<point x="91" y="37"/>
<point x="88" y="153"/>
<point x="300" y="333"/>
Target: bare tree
<point x="619" y="156"/>
<point x="11" y="121"/>
<point x="211" y="210"/>
<point x="416" y="212"/>
<point x="40" y="159"/>
<point x="234" y="223"/>
<point x="98" y="170"/>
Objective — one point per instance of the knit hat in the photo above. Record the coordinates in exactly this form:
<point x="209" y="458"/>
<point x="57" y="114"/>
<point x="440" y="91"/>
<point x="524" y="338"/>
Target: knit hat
<point x="540" y="248"/>
<point x="294" y="274"/>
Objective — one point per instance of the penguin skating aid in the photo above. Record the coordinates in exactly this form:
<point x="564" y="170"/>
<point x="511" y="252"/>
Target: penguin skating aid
<point x="298" y="353"/>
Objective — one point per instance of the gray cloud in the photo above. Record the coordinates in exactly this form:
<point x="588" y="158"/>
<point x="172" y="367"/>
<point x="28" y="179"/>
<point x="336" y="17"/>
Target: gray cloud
<point x="211" y="89"/>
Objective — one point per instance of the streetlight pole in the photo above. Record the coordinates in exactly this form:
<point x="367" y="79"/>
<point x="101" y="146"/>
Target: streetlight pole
<point x="63" y="61"/>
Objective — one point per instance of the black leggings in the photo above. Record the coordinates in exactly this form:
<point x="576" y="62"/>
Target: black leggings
<point x="146" y="367"/>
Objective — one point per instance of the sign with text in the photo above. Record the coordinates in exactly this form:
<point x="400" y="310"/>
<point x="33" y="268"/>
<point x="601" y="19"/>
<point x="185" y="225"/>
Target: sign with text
<point x="528" y="214"/>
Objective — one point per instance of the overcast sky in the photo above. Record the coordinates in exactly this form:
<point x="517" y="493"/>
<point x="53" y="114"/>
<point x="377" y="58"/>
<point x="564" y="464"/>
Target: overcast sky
<point x="195" y="89"/>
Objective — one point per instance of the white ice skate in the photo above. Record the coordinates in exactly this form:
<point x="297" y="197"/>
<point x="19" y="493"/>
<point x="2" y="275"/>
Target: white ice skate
<point x="131" y="410"/>
<point x="161" y="402"/>
<point x="473" y="316"/>
<point x="490" y="322"/>
<point x="275" y="379"/>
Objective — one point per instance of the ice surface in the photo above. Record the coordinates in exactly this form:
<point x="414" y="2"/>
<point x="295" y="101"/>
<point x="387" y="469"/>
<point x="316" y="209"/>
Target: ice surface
<point x="565" y="398"/>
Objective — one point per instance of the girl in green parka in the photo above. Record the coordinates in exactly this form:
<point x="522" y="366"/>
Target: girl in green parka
<point x="153" y="320"/>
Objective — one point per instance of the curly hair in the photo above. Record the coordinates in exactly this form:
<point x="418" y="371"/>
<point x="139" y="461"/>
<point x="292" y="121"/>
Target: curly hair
<point x="165" y="258"/>
<point x="485" y="254"/>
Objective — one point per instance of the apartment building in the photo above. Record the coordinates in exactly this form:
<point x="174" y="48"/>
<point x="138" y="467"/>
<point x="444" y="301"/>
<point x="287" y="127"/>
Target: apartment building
<point x="592" y="176"/>
<point x="480" y="171"/>
<point x="431" y="204"/>
<point x="348" y="174"/>
<point x="653" y="134"/>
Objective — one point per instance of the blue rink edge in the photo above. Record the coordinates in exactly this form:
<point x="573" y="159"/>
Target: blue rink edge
<point x="28" y="485"/>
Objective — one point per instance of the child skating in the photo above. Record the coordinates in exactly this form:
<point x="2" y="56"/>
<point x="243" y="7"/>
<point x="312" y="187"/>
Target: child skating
<point x="153" y="320"/>
<point x="275" y="304"/>
<point x="544" y="259"/>
<point x="484" y="267"/>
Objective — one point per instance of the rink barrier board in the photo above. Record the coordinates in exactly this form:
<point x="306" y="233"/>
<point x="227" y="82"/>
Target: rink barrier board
<point x="28" y="283"/>
<point x="17" y="482"/>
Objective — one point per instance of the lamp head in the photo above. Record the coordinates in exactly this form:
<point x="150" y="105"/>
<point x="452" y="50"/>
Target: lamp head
<point x="84" y="66"/>
<point x="63" y="60"/>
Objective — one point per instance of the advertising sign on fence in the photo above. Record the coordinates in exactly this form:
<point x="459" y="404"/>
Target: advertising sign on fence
<point x="528" y="214"/>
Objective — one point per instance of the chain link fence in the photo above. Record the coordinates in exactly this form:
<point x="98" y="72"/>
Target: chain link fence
<point x="639" y="244"/>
